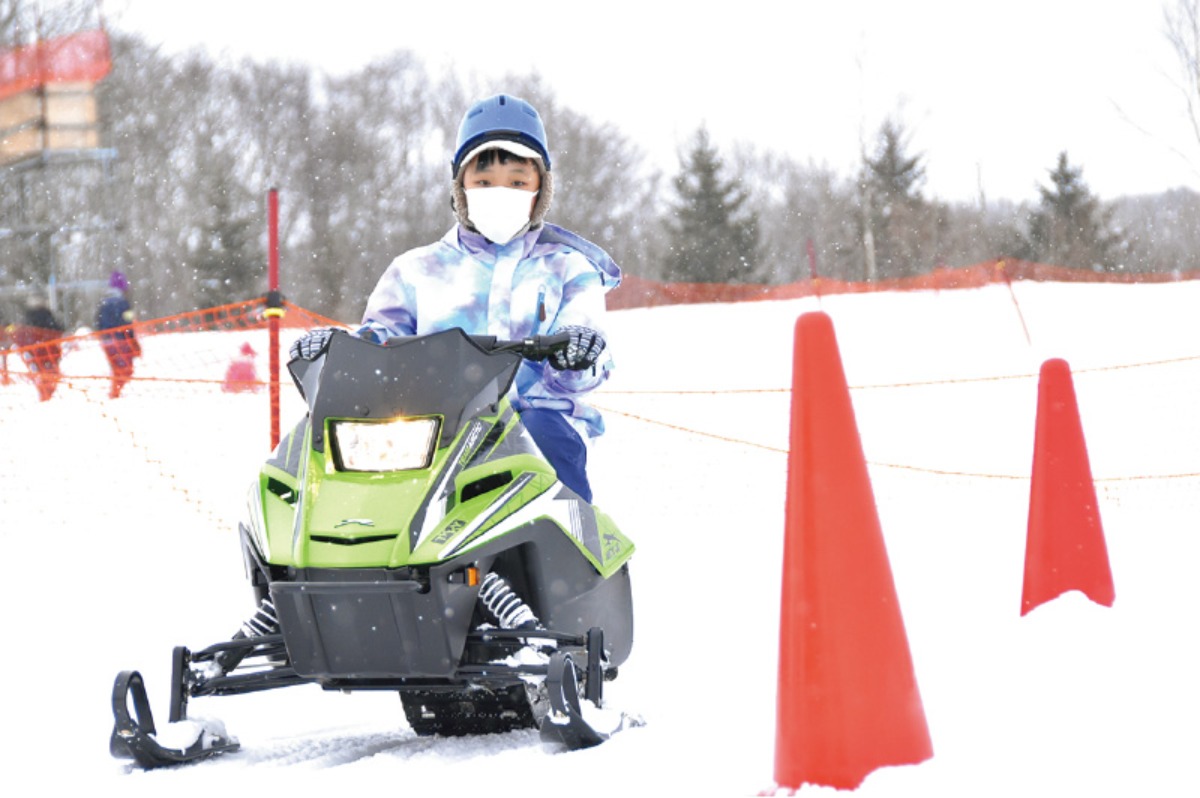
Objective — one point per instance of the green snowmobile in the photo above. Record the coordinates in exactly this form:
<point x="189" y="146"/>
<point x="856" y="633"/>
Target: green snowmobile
<point x="409" y="536"/>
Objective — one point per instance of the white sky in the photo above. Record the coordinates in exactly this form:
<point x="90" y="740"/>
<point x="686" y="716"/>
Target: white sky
<point x="990" y="92"/>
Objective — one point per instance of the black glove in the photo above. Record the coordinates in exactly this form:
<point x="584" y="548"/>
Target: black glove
<point x="309" y="345"/>
<point x="581" y="353"/>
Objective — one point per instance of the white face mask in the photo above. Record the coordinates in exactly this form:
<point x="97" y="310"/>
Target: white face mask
<point x="500" y="213"/>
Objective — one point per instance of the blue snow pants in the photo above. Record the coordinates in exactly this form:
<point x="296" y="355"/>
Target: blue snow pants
<point x="562" y="447"/>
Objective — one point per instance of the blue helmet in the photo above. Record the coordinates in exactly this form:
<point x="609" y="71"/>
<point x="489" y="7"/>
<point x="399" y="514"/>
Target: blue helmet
<point x="502" y="117"/>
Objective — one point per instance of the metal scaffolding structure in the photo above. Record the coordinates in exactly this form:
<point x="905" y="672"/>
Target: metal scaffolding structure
<point x="57" y="220"/>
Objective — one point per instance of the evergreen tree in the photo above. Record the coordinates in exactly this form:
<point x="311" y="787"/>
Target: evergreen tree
<point x="1069" y="226"/>
<point x="896" y="176"/>
<point x="713" y="238"/>
<point x="900" y="229"/>
<point x="227" y="266"/>
<point x="226" y="261"/>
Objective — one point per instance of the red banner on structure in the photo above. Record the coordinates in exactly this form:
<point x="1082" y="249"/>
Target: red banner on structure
<point x="80" y="57"/>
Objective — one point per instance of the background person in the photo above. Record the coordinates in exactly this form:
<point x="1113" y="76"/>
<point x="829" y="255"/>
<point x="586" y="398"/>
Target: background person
<point x="242" y="373"/>
<point x="39" y="341"/>
<point x="113" y="318"/>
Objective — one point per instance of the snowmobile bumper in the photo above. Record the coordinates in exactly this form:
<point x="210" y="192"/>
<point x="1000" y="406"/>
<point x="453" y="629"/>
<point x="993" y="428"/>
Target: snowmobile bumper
<point x="372" y="630"/>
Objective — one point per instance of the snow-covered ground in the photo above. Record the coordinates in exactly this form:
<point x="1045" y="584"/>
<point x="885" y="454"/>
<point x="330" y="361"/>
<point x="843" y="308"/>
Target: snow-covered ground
<point x="117" y="524"/>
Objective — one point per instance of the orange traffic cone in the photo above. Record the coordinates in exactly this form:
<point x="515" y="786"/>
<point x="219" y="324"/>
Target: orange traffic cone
<point x="1064" y="544"/>
<point x="848" y="701"/>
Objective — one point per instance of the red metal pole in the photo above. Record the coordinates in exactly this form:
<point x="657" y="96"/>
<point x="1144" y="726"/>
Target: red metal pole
<point x="274" y="308"/>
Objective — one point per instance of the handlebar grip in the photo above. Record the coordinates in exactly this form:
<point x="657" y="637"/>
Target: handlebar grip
<point x="535" y="347"/>
<point x="541" y="347"/>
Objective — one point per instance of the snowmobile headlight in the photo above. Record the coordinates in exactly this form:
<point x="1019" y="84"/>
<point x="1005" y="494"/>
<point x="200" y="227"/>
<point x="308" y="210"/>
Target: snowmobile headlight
<point x="402" y="444"/>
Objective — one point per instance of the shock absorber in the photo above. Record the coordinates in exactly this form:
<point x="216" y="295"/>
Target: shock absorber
<point x="503" y="602"/>
<point x="263" y="622"/>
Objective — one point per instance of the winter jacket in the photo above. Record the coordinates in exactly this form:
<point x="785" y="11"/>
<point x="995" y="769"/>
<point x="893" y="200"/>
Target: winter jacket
<point x="119" y="341"/>
<point x="43" y="319"/>
<point x="113" y="311"/>
<point x="536" y="284"/>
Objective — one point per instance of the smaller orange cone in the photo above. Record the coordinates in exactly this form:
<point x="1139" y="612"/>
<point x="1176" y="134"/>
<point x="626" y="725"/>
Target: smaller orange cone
<point x="848" y="701"/>
<point x="1064" y="544"/>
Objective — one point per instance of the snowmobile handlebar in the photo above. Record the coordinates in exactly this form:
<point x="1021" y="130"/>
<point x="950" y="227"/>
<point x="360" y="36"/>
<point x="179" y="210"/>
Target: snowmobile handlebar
<point x="535" y="347"/>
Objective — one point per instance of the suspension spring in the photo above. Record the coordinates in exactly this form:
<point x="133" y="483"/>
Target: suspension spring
<point x="503" y="602"/>
<point x="263" y="622"/>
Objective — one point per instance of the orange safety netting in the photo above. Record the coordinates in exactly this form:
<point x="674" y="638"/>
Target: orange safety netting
<point x="46" y="360"/>
<point x="637" y="292"/>
<point x="79" y="57"/>
<point x="223" y="351"/>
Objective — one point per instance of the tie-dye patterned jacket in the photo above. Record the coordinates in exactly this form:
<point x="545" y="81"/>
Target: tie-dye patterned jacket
<point x="537" y="283"/>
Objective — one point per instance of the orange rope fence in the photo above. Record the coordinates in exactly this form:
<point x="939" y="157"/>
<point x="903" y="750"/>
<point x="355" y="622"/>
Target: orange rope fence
<point x="199" y="366"/>
<point x="882" y="386"/>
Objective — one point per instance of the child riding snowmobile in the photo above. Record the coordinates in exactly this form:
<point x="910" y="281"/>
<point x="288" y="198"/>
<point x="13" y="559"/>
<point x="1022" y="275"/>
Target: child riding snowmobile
<point x="408" y="535"/>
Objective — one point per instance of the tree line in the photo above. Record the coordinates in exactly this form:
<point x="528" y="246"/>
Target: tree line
<point x="361" y="162"/>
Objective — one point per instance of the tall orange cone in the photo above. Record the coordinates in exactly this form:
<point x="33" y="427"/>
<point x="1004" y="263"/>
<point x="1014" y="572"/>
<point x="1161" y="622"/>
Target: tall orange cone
<point x="848" y="701"/>
<point x="1064" y="544"/>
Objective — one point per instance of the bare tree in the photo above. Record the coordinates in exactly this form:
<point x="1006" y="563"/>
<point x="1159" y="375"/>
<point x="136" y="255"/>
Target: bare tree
<point x="806" y="218"/>
<point x="1183" y="32"/>
<point x="25" y="21"/>
<point x="978" y="232"/>
<point x="1162" y="231"/>
<point x="9" y="10"/>
<point x="377" y="178"/>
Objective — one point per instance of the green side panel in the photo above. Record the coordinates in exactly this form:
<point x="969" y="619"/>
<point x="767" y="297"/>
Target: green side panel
<point x="279" y="492"/>
<point x="615" y="548"/>
<point x="464" y="517"/>
<point x="611" y="548"/>
<point x="600" y="541"/>
<point x="274" y="472"/>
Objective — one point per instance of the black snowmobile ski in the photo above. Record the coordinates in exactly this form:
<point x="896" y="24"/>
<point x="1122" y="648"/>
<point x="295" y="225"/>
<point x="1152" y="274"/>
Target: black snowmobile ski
<point x="565" y="722"/>
<point x="133" y="736"/>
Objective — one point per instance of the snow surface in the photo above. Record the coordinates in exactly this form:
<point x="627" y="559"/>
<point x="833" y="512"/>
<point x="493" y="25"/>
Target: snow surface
<point x="118" y="518"/>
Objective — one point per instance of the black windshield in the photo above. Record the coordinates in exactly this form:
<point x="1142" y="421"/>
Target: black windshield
<point x="444" y="374"/>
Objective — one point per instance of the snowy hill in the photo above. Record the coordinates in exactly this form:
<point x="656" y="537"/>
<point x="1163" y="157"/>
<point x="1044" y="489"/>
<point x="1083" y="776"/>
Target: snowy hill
<point x="119" y="530"/>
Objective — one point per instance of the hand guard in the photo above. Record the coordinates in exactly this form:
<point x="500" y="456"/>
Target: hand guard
<point x="309" y="345"/>
<point x="581" y="353"/>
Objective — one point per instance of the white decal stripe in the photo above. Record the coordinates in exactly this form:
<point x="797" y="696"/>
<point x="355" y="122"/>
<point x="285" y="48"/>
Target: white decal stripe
<point x="441" y="491"/>
<point x="483" y="517"/>
<point x="544" y="506"/>
<point x="576" y="520"/>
